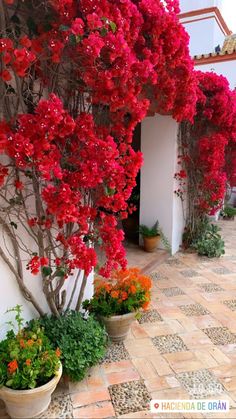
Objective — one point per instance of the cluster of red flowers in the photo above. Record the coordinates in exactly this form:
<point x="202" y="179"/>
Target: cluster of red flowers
<point x="216" y="124"/>
<point x="214" y="132"/>
<point x="123" y="56"/>
<point x="18" y="59"/>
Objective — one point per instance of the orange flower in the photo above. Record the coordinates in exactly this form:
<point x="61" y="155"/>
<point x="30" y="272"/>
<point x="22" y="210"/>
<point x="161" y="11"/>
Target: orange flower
<point x="115" y="294"/>
<point x="12" y="366"/>
<point x="28" y="362"/>
<point x="124" y="295"/>
<point x="58" y="352"/>
<point x="145" y="305"/>
<point x="107" y="287"/>
<point x="132" y="289"/>
<point x="22" y="343"/>
<point x="30" y="342"/>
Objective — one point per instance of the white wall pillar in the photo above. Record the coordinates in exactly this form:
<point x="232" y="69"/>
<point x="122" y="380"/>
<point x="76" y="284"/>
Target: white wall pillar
<point x="157" y="198"/>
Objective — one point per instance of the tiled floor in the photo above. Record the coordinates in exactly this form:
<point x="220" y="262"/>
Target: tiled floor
<point x="184" y="348"/>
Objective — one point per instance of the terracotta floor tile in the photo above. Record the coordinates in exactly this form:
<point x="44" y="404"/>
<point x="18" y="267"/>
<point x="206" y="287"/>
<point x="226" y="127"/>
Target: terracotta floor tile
<point x="138" y="331"/>
<point x="159" y="329"/>
<point x="160" y="364"/>
<point x="195" y="339"/>
<point x="140" y="348"/>
<point x="137" y="415"/>
<point x="202" y="322"/>
<point x="122" y="376"/>
<point x="175" y="325"/>
<point x="188" y="324"/>
<point x="145" y="368"/>
<point x="183" y="361"/>
<point x="95" y="381"/>
<point x="172" y="312"/>
<point x="160" y="383"/>
<point x="229" y="383"/>
<point x="171" y="394"/>
<point x="229" y="350"/>
<point x="117" y="366"/>
<point x="85" y="398"/>
<point x="205" y="358"/>
<point x="75" y="387"/>
<point x="219" y="355"/>
<point x="95" y="411"/>
<point x="225" y="371"/>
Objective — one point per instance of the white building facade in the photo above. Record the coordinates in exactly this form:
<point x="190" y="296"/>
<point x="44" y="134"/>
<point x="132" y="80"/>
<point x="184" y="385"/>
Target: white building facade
<point x="206" y="26"/>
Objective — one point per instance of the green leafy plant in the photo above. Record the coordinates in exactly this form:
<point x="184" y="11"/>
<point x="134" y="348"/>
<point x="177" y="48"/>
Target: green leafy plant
<point x="228" y="212"/>
<point x="210" y="243"/>
<point x="82" y="341"/>
<point x="150" y="231"/>
<point x="127" y="291"/>
<point x="27" y="358"/>
<point x="154" y="231"/>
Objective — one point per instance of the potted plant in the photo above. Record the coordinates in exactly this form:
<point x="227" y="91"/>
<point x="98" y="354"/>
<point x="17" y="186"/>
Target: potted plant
<point x="228" y="213"/>
<point x="117" y="301"/>
<point x="151" y="236"/>
<point x="29" y="370"/>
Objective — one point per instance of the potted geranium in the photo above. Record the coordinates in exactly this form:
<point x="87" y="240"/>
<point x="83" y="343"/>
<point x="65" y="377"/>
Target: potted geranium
<point x="116" y="301"/>
<point x="29" y="370"/>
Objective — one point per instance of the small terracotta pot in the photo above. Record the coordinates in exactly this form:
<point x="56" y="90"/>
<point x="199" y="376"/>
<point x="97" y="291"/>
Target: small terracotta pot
<point x="24" y="404"/>
<point x="118" y="327"/>
<point x="150" y="243"/>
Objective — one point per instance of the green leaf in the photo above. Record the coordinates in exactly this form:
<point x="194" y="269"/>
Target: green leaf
<point x="113" y="26"/>
<point x="64" y="28"/>
<point x="109" y="191"/>
<point x="72" y="39"/>
<point x="103" y="31"/>
<point x="46" y="270"/>
<point x="60" y="272"/>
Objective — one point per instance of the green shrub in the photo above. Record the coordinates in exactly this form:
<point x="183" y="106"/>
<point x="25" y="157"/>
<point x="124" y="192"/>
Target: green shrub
<point x="210" y="243"/>
<point x="228" y="212"/>
<point x="82" y="341"/>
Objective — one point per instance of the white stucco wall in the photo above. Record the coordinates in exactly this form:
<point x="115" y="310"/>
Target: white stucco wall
<point x="225" y="68"/>
<point x="10" y="294"/>
<point x="205" y="35"/>
<point x="157" y="198"/>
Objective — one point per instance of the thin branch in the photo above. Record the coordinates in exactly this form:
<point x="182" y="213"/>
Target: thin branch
<point x="18" y="273"/>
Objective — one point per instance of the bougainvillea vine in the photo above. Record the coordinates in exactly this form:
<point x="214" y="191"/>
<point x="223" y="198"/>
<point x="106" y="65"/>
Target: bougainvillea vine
<point x="76" y="77"/>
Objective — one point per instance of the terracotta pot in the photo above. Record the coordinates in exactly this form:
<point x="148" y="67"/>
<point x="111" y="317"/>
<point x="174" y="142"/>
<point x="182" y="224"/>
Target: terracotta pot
<point x="118" y="327"/>
<point x="24" y="404"/>
<point x="150" y="243"/>
<point x="228" y="218"/>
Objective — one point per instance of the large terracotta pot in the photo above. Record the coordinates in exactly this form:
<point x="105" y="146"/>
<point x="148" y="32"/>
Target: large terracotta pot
<point x="118" y="327"/>
<point x="24" y="404"/>
<point x="150" y="243"/>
